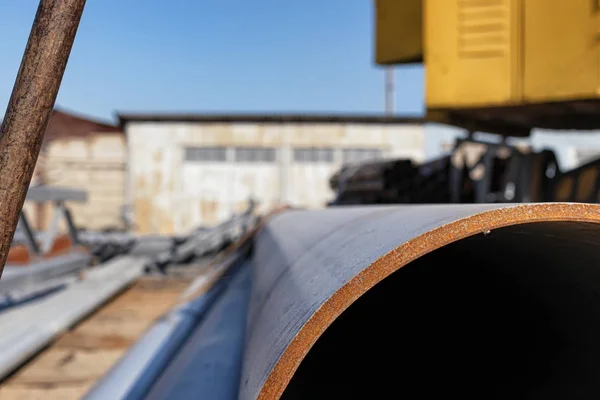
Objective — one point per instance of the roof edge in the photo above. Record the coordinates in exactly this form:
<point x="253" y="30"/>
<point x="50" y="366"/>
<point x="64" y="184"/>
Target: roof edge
<point x="85" y="117"/>
<point x="125" y="118"/>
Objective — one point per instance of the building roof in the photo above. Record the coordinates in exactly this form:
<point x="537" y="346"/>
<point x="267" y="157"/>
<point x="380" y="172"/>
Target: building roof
<point x="66" y="124"/>
<point x="273" y="118"/>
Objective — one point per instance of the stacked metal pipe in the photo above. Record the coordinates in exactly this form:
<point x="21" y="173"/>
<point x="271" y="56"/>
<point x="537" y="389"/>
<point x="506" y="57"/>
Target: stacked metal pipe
<point x="395" y="181"/>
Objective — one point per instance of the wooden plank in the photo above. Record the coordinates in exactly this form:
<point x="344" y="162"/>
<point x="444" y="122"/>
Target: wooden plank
<point x="70" y="366"/>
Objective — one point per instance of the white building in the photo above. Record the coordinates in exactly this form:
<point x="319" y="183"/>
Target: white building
<point x="190" y="170"/>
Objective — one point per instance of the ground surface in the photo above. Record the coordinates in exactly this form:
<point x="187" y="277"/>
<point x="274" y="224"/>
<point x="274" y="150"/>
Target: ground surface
<point x="71" y="365"/>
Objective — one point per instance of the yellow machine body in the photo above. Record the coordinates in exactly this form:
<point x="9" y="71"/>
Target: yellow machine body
<point x="500" y="64"/>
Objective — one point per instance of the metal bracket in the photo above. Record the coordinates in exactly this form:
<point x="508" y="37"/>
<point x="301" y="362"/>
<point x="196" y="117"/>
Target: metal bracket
<point x="30" y="239"/>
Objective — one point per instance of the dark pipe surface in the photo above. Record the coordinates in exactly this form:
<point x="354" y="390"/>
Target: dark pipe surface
<point x="209" y="363"/>
<point x="515" y="314"/>
<point x="30" y="106"/>
<point x="478" y="286"/>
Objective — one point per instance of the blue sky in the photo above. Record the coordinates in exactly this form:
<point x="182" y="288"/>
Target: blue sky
<point x="216" y="56"/>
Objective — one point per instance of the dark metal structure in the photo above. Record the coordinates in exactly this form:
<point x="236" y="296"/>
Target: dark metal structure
<point x="393" y="182"/>
<point x="500" y="174"/>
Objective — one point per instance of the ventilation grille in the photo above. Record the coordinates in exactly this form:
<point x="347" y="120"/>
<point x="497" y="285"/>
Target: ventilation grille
<point x="482" y="28"/>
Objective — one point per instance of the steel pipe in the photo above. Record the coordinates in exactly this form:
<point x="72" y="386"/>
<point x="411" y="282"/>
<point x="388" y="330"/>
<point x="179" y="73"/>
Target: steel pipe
<point x="19" y="278"/>
<point x="30" y="106"/>
<point x="209" y="363"/>
<point x="133" y="376"/>
<point x="484" y="301"/>
<point x="136" y="373"/>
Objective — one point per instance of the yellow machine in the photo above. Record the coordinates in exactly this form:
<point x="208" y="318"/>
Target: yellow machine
<point x="502" y="66"/>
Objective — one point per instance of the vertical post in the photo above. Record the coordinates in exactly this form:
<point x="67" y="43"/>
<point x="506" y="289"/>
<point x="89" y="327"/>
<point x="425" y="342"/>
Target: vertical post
<point x="457" y="171"/>
<point x="30" y="238"/>
<point x="66" y="213"/>
<point x="30" y="106"/>
<point x="390" y="90"/>
<point x="482" y="190"/>
<point x="52" y="231"/>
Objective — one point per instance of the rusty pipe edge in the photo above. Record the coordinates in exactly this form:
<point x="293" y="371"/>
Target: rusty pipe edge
<point x="30" y="106"/>
<point x="311" y="266"/>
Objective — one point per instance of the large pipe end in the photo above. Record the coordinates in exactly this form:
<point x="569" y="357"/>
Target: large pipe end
<point x="512" y="313"/>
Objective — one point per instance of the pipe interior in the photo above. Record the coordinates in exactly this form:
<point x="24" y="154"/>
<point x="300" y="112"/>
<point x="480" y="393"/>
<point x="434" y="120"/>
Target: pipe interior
<point x="511" y="314"/>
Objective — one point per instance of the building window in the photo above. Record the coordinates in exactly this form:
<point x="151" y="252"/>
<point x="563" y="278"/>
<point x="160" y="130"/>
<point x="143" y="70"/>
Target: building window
<point x="255" y="154"/>
<point x="206" y="154"/>
<point x="360" y="155"/>
<point x="313" y="155"/>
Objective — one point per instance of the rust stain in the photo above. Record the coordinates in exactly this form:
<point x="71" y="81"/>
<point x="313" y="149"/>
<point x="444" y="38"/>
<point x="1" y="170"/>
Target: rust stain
<point x="217" y="134"/>
<point x="143" y="211"/>
<point x="140" y="183"/>
<point x="240" y="206"/>
<point x="151" y="219"/>
<point x="165" y="223"/>
<point x="157" y="156"/>
<point x="407" y="252"/>
<point x="19" y="254"/>
<point x="157" y="182"/>
<point x="208" y="210"/>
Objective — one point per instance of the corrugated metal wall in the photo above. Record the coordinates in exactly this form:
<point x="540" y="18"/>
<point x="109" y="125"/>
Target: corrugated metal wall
<point x="183" y="174"/>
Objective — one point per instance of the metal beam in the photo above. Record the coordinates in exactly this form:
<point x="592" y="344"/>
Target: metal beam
<point x="30" y="106"/>
<point x="30" y="237"/>
<point x="19" y="278"/>
<point x="27" y="329"/>
<point x="54" y="194"/>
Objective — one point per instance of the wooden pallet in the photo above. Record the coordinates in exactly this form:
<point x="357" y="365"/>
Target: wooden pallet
<point x="69" y="367"/>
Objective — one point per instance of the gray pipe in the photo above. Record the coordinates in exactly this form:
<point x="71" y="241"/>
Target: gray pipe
<point x="209" y="363"/>
<point x="133" y="376"/>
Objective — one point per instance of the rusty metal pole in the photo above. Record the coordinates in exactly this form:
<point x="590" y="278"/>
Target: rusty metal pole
<point x="31" y="105"/>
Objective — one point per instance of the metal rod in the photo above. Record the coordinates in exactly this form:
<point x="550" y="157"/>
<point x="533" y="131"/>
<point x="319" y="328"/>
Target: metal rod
<point x="30" y="106"/>
<point x="73" y="234"/>
<point x="30" y="237"/>
<point x="390" y="91"/>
